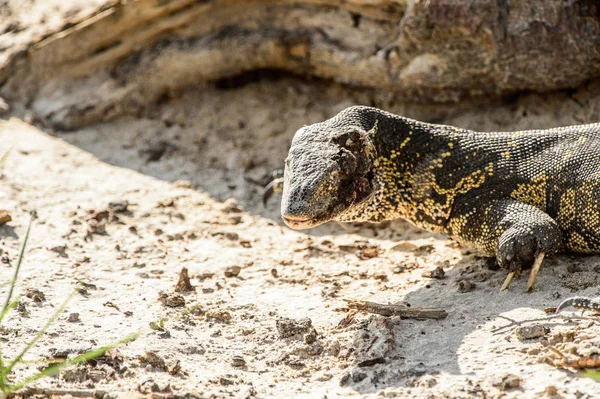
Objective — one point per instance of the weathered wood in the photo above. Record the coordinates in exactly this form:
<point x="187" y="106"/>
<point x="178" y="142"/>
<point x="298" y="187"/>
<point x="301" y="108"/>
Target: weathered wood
<point x="129" y="54"/>
<point x="396" y="310"/>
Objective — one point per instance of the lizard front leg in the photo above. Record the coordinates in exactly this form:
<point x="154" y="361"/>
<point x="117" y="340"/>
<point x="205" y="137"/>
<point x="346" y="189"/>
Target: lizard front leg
<point x="516" y="233"/>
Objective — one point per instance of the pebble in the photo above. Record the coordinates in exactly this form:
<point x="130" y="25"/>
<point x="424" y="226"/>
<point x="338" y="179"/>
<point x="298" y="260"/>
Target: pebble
<point x="466" y="286"/>
<point x="437" y="273"/>
<point x="4" y="217"/>
<point x="530" y="332"/>
<point x="232" y="271"/>
<point x="238" y="361"/>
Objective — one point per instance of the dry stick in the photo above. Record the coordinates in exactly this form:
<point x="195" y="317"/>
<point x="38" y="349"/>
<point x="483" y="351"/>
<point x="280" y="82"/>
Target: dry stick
<point x="535" y="270"/>
<point x="509" y="278"/>
<point x="396" y="310"/>
<point x="516" y="323"/>
<point x="77" y="393"/>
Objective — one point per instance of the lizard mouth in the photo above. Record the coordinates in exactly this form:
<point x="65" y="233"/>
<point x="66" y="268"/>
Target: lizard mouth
<point x="297" y="223"/>
<point x="351" y="193"/>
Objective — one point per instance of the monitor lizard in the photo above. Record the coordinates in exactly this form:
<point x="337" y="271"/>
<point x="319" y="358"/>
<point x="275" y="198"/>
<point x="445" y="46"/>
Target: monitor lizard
<point x="513" y="195"/>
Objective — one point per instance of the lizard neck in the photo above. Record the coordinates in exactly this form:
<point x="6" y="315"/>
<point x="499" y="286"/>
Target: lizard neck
<point x="408" y="170"/>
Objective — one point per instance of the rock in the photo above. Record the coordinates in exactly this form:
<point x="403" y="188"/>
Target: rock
<point x="184" y="284"/>
<point x="4" y="217"/>
<point x="119" y="206"/>
<point x="172" y="301"/>
<point x="238" y="361"/>
<point x="232" y="271"/>
<point x="437" y="273"/>
<point x="466" y="286"/>
<point x="531" y="332"/>
<point x="289" y="327"/>
<point x="508" y="381"/>
<point x="73" y="318"/>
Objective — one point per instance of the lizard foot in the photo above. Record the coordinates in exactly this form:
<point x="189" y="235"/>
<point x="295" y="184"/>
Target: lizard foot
<point x="523" y="248"/>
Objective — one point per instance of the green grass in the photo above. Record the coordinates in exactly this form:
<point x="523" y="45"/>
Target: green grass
<point x="3" y="157"/>
<point x="593" y="374"/>
<point x="7" y="366"/>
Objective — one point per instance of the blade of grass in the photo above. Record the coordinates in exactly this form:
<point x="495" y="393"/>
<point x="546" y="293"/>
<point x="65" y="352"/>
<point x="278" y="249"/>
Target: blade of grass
<point x="39" y="334"/>
<point x="84" y="357"/>
<point x="593" y="374"/>
<point x="5" y="155"/>
<point x="8" y="308"/>
<point x="18" y="267"/>
<point x="8" y="305"/>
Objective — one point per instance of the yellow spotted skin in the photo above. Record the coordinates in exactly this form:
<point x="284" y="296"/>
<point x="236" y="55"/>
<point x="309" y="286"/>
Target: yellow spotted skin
<point x="507" y="194"/>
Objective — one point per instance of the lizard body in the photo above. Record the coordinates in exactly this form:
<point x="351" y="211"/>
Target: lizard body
<point x="507" y="194"/>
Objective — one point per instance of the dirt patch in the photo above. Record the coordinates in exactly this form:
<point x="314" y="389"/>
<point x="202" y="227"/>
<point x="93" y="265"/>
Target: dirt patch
<point x="126" y="225"/>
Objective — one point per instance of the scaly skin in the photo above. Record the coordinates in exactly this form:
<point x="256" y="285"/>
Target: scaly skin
<point x="507" y="194"/>
<point x="580" y="302"/>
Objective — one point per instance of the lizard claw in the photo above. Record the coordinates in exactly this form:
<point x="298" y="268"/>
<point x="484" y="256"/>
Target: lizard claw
<point x="274" y="187"/>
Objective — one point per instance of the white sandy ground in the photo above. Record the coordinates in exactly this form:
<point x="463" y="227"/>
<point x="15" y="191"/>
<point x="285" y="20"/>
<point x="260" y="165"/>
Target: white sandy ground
<point x="214" y="139"/>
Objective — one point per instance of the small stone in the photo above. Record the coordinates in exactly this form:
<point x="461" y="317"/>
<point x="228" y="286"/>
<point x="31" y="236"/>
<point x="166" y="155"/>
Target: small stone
<point x="235" y="219"/>
<point x="59" y="249"/>
<point x="290" y="327"/>
<point x="398" y="269"/>
<point x="533" y="351"/>
<point x="184" y="284"/>
<point x="4" y="217"/>
<point x="551" y="391"/>
<point x="437" y="273"/>
<point x="509" y="381"/>
<point x="231" y="206"/>
<point x="404" y="246"/>
<point x="154" y="360"/>
<point x="530" y="332"/>
<point x="35" y="295"/>
<point x="172" y="301"/>
<point x="232" y="236"/>
<point x="174" y="367"/>
<point x="368" y="252"/>
<point x="22" y="309"/>
<point x="466" y="286"/>
<point x="232" y="271"/>
<point x="238" y="361"/>
<point x="220" y="315"/>
<point x="119" y="206"/>
<point x="73" y="318"/>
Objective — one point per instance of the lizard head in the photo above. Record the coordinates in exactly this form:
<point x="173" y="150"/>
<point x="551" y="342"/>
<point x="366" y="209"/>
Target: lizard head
<point x="328" y="174"/>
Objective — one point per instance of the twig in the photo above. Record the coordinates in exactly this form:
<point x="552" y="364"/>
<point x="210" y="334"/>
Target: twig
<point x="509" y="278"/>
<point x="78" y="393"/>
<point x="507" y="318"/>
<point x="396" y="310"/>
<point x="535" y="270"/>
<point x="546" y="318"/>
